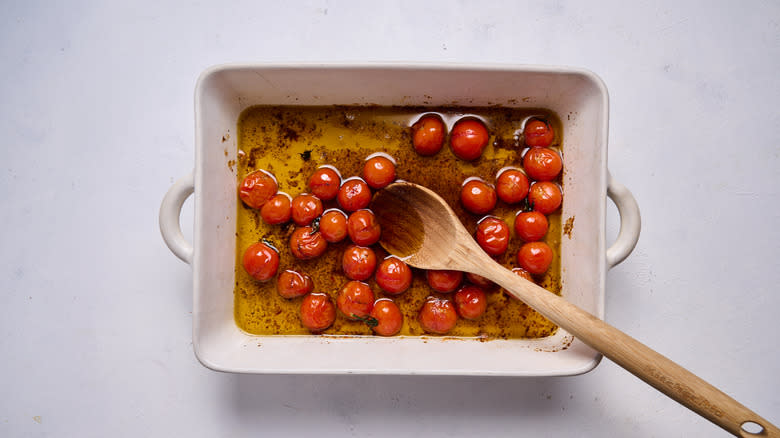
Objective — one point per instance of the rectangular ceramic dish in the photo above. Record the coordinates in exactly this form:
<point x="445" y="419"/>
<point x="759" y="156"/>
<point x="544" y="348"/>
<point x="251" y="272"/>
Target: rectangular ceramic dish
<point x="577" y="96"/>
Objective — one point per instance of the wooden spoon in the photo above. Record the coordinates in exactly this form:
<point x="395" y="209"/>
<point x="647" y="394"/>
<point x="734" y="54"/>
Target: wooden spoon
<point x="419" y="227"/>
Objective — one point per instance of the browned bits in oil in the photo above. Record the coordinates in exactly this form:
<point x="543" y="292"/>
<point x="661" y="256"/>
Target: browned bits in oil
<point x="293" y="141"/>
<point x="568" y="227"/>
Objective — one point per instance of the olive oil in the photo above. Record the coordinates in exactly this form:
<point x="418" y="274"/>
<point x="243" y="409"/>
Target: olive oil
<point x="291" y="142"/>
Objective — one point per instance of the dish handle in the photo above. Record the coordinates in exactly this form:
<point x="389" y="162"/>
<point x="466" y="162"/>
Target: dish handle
<point x="630" y="222"/>
<point x="170" y="210"/>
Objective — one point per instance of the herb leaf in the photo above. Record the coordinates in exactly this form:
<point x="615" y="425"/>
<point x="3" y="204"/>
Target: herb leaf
<point x="368" y="320"/>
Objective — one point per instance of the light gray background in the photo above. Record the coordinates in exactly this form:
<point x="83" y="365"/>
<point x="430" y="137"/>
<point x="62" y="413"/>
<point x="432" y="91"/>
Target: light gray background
<point x="96" y="122"/>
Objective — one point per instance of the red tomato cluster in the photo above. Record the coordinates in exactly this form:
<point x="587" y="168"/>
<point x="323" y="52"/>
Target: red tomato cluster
<point x="533" y="185"/>
<point x="315" y="228"/>
<point x="336" y="209"/>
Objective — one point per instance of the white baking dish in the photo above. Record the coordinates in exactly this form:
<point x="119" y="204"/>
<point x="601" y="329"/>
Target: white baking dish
<point x="577" y="96"/>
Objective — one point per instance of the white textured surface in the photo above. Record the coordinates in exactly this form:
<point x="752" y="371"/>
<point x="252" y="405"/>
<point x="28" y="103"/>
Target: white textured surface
<point x="96" y="123"/>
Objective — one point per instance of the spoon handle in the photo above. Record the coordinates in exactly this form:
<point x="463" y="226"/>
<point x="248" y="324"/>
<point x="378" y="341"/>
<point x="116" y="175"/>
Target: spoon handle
<point x="640" y="360"/>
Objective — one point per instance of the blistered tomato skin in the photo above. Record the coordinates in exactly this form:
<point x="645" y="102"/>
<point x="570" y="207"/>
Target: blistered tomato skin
<point x="363" y="228"/>
<point x="535" y="257"/>
<point x="378" y="172"/>
<point x="493" y="235"/>
<point x="538" y="133"/>
<point x="293" y="284"/>
<point x="355" y="300"/>
<point x="542" y="164"/>
<point x="545" y="197"/>
<point x="354" y="195"/>
<point x="333" y="225"/>
<point x="324" y="183"/>
<point x="531" y="226"/>
<point x="438" y="316"/>
<point x="480" y="281"/>
<point x="471" y="302"/>
<point x="261" y="261"/>
<point x="317" y="312"/>
<point x="512" y="186"/>
<point x="257" y="188"/>
<point x="388" y="317"/>
<point x="393" y="275"/>
<point x="305" y="208"/>
<point x="358" y="262"/>
<point x="277" y="210"/>
<point x="468" y="139"/>
<point x="428" y="135"/>
<point x="444" y="281"/>
<point x="307" y="244"/>
<point x="478" y="197"/>
<point x="520" y="272"/>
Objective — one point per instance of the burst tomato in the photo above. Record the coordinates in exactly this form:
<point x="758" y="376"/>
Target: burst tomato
<point x="355" y="300"/>
<point x="388" y="317"/>
<point x="307" y="244"/>
<point x="363" y="228"/>
<point x="493" y="235"/>
<point x="354" y="194"/>
<point x="438" y="315"/>
<point x="293" y="284"/>
<point x="470" y="301"/>
<point x="257" y="188"/>
<point x="512" y="186"/>
<point x="324" y="183"/>
<point x="317" y="312"/>
<point x="261" y="261"/>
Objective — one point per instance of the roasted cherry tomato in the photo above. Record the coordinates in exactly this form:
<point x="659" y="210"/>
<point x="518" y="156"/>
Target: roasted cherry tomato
<point x="477" y="197"/>
<point x="261" y="261"/>
<point x="480" y="281"/>
<point x="493" y="235"/>
<point x="354" y="194"/>
<point x="545" y="196"/>
<point x="333" y="225"/>
<point x="363" y="228"/>
<point x="388" y="317"/>
<point x="324" y="183"/>
<point x="538" y="133"/>
<point x="358" y="262"/>
<point x="470" y="301"/>
<point x="317" y="312"/>
<point x="307" y="244"/>
<point x="257" y="188"/>
<point x="535" y="257"/>
<point x="428" y="135"/>
<point x="520" y="272"/>
<point x="542" y="164"/>
<point x="468" y="138"/>
<point x="305" y="208"/>
<point x="379" y="171"/>
<point x="512" y="186"/>
<point x="444" y="281"/>
<point x="523" y="273"/>
<point x="277" y="210"/>
<point x="531" y="225"/>
<point x="393" y="275"/>
<point x="355" y="300"/>
<point x="293" y="284"/>
<point x="438" y="315"/>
